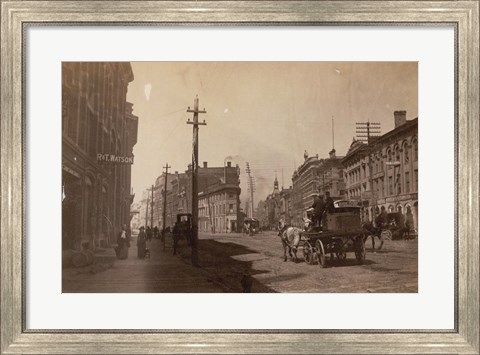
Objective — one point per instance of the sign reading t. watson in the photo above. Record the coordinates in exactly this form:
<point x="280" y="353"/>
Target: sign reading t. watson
<point x="112" y="158"/>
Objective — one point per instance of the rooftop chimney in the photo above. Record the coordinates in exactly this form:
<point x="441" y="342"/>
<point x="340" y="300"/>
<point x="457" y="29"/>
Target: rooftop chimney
<point x="400" y="118"/>
<point x="229" y="164"/>
<point x="205" y="164"/>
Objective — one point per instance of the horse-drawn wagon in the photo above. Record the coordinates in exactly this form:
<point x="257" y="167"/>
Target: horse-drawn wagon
<point x="183" y="229"/>
<point x="251" y="226"/>
<point x="341" y="233"/>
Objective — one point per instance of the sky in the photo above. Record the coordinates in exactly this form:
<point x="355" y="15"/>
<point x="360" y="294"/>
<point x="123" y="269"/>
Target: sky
<point x="264" y="113"/>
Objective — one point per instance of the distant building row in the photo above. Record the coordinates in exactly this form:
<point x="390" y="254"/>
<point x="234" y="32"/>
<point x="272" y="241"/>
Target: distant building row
<point x="218" y="200"/>
<point x="383" y="172"/>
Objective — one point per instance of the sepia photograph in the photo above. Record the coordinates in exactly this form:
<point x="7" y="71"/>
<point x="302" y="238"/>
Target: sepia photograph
<point x="240" y="177"/>
<point x="162" y="160"/>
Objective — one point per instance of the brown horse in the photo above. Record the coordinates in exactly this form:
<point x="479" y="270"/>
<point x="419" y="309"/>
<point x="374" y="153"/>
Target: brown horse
<point x="374" y="232"/>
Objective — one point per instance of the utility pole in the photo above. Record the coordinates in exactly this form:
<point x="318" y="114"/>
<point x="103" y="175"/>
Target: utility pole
<point x="151" y="211"/>
<point x="147" y="202"/>
<point x="251" y="186"/>
<point x="165" y="205"/>
<point x="195" y="124"/>
<point x="365" y="132"/>
<point x="333" y="134"/>
<point x="146" y="210"/>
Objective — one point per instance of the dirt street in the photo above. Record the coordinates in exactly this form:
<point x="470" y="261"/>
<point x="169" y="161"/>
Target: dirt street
<point x="229" y="258"/>
<point x="236" y="262"/>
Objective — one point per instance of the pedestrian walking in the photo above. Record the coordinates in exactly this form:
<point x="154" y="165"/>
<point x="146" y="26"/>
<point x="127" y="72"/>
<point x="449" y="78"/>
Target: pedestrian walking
<point x="380" y="223"/>
<point x="149" y="233"/>
<point x="176" y="235"/>
<point x="401" y="225"/>
<point x="141" y="243"/>
<point x="123" y="243"/>
<point x="409" y="226"/>
<point x="155" y="232"/>
<point x="329" y="206"/>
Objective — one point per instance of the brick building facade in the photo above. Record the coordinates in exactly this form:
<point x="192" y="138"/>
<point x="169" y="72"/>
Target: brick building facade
<point x="218" y="198"/>
<point x="385" y="172"/>
<point x="96" y="120"/>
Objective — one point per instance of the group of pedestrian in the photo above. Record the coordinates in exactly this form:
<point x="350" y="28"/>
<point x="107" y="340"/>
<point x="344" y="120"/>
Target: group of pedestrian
<point x="124" y="238"/>
<point x="322" y="204"/>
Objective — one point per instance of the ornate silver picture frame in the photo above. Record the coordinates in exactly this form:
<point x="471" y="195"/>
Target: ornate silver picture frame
<point x="17" y="15"/>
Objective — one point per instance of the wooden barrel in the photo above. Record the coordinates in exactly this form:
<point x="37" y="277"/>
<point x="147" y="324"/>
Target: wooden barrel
<point x="83" y="258"/>
<point x="79" y="259"/>
<point x="90" y="256"/>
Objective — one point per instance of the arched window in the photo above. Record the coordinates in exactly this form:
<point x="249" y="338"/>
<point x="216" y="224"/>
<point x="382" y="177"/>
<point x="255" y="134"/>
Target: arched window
<point x="398" y="182"/>
<point x="397" y="153"/>
<point x="406" y="153"/>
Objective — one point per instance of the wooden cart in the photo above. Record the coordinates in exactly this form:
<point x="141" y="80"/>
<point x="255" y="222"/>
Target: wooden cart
<point x="341" y="233"/>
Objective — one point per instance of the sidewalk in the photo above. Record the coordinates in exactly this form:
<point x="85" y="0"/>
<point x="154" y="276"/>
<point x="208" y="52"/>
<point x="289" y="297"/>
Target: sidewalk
<point x="163" y="272"/>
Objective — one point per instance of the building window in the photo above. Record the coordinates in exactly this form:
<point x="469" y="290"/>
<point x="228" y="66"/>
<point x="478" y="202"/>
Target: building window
<point x="83" y="119"/>
<point x="389" y="156"/>
<point x="397" y="153"/>
<point x="407" y="182"/>
<point x="406" y="152"/>
<point x="72" y="122"/>
<point x="230" y="208"/>
<point x="390" y="185"/>
<point x="415" y="150"/>
<point x="399" y="185"/>
<point x="92" y="134"/>
<point x="416" y="180"/>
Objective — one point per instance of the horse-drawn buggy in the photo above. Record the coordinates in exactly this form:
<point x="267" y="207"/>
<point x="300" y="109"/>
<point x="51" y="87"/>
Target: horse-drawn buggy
<point x="251" y="226"/>
<point x="341" y="232"/>
<point x="182" y="230"/>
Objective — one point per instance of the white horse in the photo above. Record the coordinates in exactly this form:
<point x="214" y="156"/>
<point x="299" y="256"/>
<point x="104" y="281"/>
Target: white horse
<point x="291" y="237"/>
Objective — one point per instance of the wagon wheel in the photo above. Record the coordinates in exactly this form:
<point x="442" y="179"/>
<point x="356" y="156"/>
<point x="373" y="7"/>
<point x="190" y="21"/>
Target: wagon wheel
<point x="308" y="253"/>
<point x="360" y="251"/>
<point x="320" y="254"/>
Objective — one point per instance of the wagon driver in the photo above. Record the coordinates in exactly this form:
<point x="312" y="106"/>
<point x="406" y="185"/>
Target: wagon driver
<point x="318" y="209"/>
